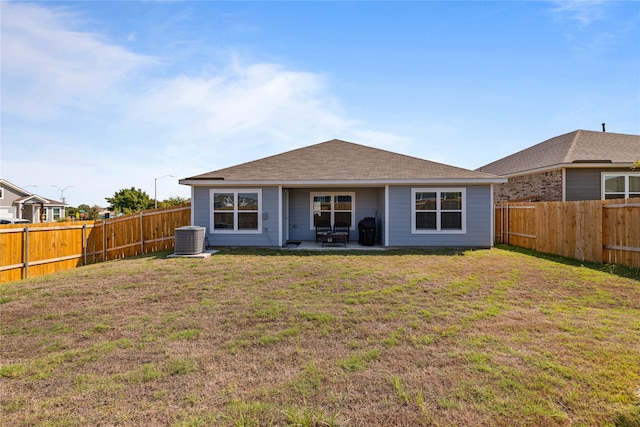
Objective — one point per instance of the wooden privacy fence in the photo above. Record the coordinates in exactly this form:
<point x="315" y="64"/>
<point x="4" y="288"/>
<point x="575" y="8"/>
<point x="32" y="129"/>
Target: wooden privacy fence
<point x="606" y="231"/>
<point x="35" y="249"/>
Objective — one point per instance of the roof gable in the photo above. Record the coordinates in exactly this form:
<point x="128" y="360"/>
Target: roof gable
<point x="35" y="199"/>
<point x="14" y="188"/>
<point x="338" y="160"/>
<point x="580" y="146"/>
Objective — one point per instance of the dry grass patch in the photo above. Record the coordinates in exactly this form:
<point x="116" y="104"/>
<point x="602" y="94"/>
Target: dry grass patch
<point x="276" y="338"/>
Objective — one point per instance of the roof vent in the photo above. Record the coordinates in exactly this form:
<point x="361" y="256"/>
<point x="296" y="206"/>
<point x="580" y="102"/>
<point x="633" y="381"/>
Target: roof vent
<point x="603" y="129"/>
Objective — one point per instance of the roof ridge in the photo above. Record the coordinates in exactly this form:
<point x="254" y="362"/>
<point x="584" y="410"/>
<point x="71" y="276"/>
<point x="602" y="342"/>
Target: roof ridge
<point x="572" y="146"/>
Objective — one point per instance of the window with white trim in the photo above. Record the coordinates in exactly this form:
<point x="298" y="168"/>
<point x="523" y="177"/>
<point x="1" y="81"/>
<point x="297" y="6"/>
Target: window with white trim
<point x="333" y="207"/>
<point x="620" y="185"/>
<point x="56" y="213"/>
<point x="438" y="210"/>
<point x="236" y="211"/>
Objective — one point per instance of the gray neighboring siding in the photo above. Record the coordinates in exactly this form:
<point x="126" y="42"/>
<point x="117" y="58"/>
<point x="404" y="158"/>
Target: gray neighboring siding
<point x="584" y="184"/>
<point x="367" y="201"/>
<point x="9" y="196"/>
<point x="270" y="210"/>
<point x="478" y="220"/>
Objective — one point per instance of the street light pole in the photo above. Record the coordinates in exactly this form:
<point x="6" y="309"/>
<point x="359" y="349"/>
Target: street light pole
<point x="155" y="189"/>
<point x="62" y="192"/>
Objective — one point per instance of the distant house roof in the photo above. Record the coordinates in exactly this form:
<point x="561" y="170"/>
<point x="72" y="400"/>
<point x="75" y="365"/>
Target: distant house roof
<point x="28" y="197"/>
<point x="34" y="198"/>
<point x="578" y="147"/>
<point x="340" y="161"/>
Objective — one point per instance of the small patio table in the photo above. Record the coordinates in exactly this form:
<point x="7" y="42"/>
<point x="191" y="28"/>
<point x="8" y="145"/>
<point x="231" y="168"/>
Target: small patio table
<point x="334" y="238"/>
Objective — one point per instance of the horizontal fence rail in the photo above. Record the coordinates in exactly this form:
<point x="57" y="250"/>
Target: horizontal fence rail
<point x="35" y="249"/>
<point x="606" y="231"/>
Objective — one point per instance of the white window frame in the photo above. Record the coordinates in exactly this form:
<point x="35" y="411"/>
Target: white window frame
<point x="626" y="176"/>
<point x="438" y="210"/>
<point x="53" y="214"/>
<point x="235" y="210"/>
<point x="332" y="194"/>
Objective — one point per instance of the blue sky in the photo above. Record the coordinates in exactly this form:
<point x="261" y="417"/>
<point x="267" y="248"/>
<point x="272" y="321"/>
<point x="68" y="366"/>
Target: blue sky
<point x="102" y="96"/>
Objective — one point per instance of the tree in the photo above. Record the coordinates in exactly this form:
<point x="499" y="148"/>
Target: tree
<point x="172" y="201"/>
<point x="90" y="213"/>
<point x="129" y="200"/>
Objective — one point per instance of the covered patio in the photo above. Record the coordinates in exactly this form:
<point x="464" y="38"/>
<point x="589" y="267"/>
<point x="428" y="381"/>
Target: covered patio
<point x="311" y="245"/>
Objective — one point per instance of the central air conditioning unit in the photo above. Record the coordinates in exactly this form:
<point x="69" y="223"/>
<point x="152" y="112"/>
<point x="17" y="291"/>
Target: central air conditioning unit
<point x="189" y="240"/>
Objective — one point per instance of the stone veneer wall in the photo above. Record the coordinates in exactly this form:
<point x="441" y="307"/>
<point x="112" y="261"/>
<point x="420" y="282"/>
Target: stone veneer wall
<point x="544" y="186"/>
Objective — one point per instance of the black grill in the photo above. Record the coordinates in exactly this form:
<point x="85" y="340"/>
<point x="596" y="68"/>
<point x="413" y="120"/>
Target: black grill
<point x="367" y="231"/>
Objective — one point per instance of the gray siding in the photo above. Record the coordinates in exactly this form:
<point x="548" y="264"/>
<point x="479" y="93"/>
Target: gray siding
<point x="367" y="202"/>
<point x="9" y="196"/>
<point x="270" y="211"/>
<point x="478" y="220"/>
<point x="584" y="184"/>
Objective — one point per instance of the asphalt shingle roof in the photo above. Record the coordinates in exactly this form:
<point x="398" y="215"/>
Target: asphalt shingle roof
<point x="580" y="146"/>
<point x="338" y="160"/>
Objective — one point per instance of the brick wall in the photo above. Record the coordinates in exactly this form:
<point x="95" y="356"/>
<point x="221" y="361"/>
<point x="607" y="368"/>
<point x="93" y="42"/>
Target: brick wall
<point x="544" y="186"/>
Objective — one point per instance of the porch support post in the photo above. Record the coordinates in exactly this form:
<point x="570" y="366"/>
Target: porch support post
<point x="280" y="216"/>
<point x="386" y="215"/>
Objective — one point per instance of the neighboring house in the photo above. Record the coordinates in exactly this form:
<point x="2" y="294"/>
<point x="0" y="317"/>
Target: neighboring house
<point x="16" y="202"/>
<point x="415" y="202"/>
<point x="581" y="165"/>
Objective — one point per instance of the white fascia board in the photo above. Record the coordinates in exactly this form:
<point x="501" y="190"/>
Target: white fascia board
<point x="340" y="183"/>
<point x="40" y="200"/>
<point x="569" y="166"/>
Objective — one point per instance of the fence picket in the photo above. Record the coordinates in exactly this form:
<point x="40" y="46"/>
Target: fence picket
<point x="594" y="230"/>
<point x="46" y="248"/>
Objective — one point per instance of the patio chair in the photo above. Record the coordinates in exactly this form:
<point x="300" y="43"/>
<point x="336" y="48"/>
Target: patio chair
<point x="322" y="227"/>
<point x="341" y="227"/>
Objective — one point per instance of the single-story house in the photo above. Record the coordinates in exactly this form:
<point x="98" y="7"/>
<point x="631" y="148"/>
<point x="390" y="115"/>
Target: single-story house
<point x="415" y="202"/>
<point x="16" y="202"/>
<point x="580" y="165"/>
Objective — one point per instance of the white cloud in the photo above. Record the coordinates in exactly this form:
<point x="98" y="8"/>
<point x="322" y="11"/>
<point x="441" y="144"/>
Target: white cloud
<point x="52" y="67"/>
<point x="78" y="110"/>
<point x="585" y="12"/>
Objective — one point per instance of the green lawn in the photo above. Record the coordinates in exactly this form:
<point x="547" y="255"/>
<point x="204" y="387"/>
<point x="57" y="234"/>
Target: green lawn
<point x="280" y="338"/>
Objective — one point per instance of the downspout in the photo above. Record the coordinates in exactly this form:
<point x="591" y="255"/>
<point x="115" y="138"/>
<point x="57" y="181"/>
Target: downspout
<point x="493" y="219"/>
<point x="193" y="199"/>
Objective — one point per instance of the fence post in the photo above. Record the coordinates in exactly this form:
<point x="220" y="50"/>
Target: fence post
<point x="602" y="231"/>
<point x="502" y="223"/>
<point x="26" y="252"/>
<point x="141" y="235"/>
<point x="508" y="226"/>
<point x="104" y="240"/>
<point x="84" y="244"/>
